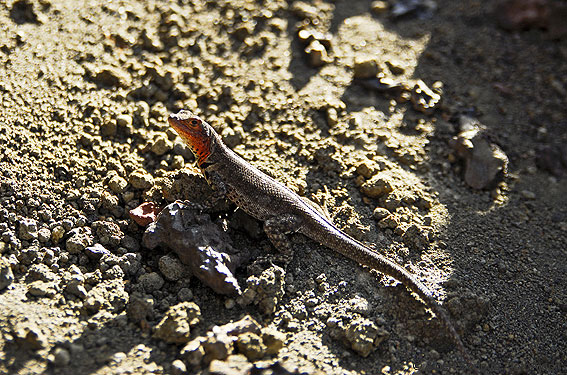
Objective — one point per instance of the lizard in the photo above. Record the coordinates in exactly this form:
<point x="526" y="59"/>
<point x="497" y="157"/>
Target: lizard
<point x="283" y="211"/>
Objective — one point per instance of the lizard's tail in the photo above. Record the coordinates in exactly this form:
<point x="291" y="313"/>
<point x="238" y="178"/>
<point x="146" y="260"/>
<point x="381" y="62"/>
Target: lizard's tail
<point x="354" y="250"/>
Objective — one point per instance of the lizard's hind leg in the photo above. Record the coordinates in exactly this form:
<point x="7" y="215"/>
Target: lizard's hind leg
<point x="277" y="227"/>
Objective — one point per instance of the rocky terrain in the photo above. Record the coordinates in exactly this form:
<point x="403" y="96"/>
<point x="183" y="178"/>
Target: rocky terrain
<point x="433" y="131"/>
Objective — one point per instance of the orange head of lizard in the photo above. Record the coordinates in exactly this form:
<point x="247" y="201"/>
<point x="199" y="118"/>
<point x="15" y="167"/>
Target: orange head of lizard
<point x="194" y="132"/>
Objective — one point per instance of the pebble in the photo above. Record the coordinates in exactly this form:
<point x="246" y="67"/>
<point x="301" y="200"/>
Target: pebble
<point x="140" y="308"/>
<point x="379" y="213"/>
<point x="251" y="345"/>
<point x="379" y="7"/>
<point x="175" y="326"/>
<point x="161" y="145"/>
<point x="172" y="268"/>
<point x="316" y="54"/>
<point x="273" y="339"/>
<point x="141" y="179"/>
<point x="108" y="128"/>
<point x="332" y="117"/>
<point x="365" y="67"/>
<point x="265" y="290"/>
<point x="151" y="281"/>
<point x="363" y="336"/>
<point x="117" y="184"/>
<point x="485" y="162"/>
<point x="6" y="274"/>
<point x="61" y="357"/>
<point x="27" y="229"/>
<point x="377" y="186"/>
<point x="124" y="121"/>
<point x="96" y="251"/>
<point x="527" y="194"/>
<point x="43" y="235"/>
<point x="185" y="294"/>
<point x="40" y="288"/>
<point x="57" y="234"/>
<point x="178" y="367"/>
<point x="79" y="240"/>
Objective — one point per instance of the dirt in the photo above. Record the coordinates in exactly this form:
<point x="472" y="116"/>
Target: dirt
<point x="86" y="88"/>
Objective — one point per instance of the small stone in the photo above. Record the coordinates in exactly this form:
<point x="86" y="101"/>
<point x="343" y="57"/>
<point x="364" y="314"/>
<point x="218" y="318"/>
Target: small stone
<point x="363" y="336"/>
<point x="379" y="7"/>
<point x="172" y="268"/>
<point x="108" y="128"/>
<point x="161" y="145"/>
<point x="395" y="68"/>
<point x="80" y="239"/>
<point x="273" y="339"/>
<point x="175" y="327"/>
<point x="193" y="352"/>
<point x="365" y="67"/>
<point x="57" y="234"/>
<point x="140" y="308"/>
<point x="43" y="235"/>
<point x="41" y="289"/>
<point x="178" y="367"/>
<point x="29" y="336"/>
<point x="377" y="186"/>
<point x="124" y="120"/>
<point x="234" y="364"/>
<point x="415" y="238"/>
<point x="96" y="251"/>
<point x="151" y="281"/>
<point x="485" y="162"/>
<point x="251" y="345"/>
<point x="111" y="77"/>
<point x="365" y="169"/>
<point x="528" y="194"/>
<point x="316" y="54"/>
<point x="28" y="229"/>
<point x="61" y="357"/>
<point x="265" y="290"/>
<point x="6" y="274"/>
<point x="185" y="294"/>
<point x="145" y="213"/>
<point x="332" y="117"/>
<point x="109" y="201"/>
<point x="390" y="221"/>
<point x="140" y="179"/>
<point x="117" y="184"/>
<point x="379" y="213"/>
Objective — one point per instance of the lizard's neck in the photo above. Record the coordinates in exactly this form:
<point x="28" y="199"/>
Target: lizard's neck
<point x="209" y="148"/>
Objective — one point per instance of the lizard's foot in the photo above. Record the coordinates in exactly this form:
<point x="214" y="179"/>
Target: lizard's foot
<point x="276" y="229"/>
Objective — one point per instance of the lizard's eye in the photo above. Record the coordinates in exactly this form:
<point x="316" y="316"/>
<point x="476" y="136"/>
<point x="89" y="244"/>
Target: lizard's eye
<point x="194" y="122"/>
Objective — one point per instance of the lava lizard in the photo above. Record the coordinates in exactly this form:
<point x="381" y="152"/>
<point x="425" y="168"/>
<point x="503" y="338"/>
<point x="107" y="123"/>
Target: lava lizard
<point x="282" y="210"/>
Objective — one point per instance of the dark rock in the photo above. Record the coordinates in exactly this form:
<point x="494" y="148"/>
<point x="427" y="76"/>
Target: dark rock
<point x="96" y="251"/>
<point x="199" y="243"/>
<point x="22" y="11"/>
<point x="485" y="162"/>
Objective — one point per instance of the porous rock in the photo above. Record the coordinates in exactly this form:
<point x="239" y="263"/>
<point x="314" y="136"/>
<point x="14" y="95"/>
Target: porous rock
<point x="199" y="244"/>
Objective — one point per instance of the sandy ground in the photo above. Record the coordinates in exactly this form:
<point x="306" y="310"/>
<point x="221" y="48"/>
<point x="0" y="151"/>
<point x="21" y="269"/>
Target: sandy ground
<point x="86" y="88"/>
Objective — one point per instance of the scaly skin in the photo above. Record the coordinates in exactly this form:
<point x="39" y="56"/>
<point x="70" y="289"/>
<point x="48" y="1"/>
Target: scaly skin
<point x="282" y="210"/>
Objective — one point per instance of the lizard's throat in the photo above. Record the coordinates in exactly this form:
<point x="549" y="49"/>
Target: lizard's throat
<point x="201" y="150"/>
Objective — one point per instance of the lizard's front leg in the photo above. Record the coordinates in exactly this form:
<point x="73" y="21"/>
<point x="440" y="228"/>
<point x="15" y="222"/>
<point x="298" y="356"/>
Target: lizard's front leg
<point x="277" y="227"/>
<point x="216" y="183"/>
